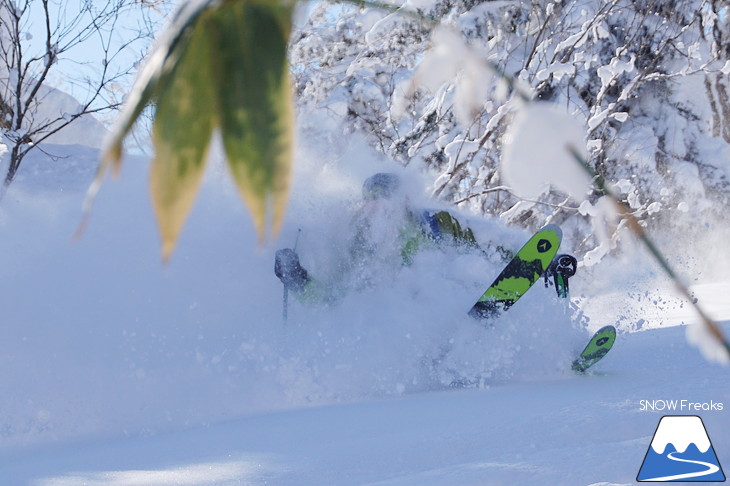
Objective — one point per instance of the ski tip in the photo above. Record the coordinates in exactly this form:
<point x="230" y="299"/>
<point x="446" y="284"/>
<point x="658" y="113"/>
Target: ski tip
<point x="608" y="328"/>
<point x="554" y="228"/>
<point x="556" y="232"/>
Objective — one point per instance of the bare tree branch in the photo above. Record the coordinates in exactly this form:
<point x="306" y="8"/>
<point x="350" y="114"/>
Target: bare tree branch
<point x="41" y="41"/>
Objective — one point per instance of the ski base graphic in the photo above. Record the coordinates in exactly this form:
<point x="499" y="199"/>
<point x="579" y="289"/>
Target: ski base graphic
<point x="520" y="274"/>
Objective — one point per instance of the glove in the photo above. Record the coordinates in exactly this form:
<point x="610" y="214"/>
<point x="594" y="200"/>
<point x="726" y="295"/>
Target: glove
<point x="565" y="265"/>
<point x="289" y="270"/>
<point x="561" y="269"/>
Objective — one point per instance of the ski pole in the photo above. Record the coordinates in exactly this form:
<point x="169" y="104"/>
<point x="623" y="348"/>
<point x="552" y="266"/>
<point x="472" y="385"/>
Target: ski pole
<point x="285" y="308"/>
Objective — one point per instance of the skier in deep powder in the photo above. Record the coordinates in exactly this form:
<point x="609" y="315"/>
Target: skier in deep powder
<point x="388" y="229"/>
<point x="386" y="226"/>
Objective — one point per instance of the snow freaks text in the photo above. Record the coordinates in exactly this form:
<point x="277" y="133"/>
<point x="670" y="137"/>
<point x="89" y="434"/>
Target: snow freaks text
<point x="679" y="406"/>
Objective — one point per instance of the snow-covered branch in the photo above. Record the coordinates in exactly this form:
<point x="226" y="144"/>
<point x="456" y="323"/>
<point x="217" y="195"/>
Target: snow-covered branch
<point x="619" y="68"/>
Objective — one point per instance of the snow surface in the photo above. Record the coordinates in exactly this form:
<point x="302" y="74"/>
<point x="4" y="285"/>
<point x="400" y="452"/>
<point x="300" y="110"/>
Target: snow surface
<point x="117" y="370"/>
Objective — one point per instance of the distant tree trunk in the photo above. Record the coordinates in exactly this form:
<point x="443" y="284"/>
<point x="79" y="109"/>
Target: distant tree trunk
<point x="16" y="157"/>
<point x="716" y="119"/>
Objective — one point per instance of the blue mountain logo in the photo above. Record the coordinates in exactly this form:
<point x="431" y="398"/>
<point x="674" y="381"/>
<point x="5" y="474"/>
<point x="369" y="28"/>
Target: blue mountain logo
<point x="681" y="451"/>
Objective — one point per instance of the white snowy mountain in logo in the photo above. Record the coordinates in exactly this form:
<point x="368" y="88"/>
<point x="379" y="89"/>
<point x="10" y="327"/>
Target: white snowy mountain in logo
<point x="680" y="431"/>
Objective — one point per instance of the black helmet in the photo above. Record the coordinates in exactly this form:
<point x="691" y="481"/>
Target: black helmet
<point x="380" y="186"/>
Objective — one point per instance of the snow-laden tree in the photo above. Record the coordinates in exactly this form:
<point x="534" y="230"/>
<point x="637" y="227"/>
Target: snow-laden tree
<point x="646" y="79"/>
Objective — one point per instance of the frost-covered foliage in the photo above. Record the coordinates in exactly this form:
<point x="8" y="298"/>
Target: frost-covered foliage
<point x="647" y="81"/>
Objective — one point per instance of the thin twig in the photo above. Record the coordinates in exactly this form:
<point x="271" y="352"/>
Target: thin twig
<point x="508" y="190"/>
<point x="633" y="223"/>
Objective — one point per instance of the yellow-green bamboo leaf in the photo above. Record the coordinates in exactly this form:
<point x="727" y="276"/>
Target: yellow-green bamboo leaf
<point x="154" y="76"/>
<point x="181" y="134"/>
<point x="249" y="54"/>
<point x="151" y="81"/>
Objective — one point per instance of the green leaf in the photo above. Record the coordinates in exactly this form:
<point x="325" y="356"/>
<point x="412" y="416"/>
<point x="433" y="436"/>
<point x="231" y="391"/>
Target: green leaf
<point x="152" y="79"/>
<point x="151" y="82"/>
<point x="181" y="134"/>
<point x="249" y="61"/>
<point x="221" y="65"/>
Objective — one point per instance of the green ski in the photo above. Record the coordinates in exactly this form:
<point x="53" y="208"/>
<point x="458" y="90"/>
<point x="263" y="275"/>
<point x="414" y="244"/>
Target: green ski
<point x="520" y="273"/>
<point x="599" y="345"/>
